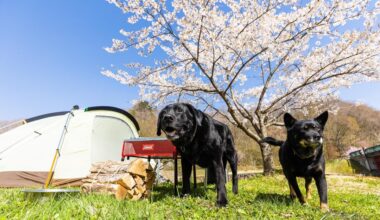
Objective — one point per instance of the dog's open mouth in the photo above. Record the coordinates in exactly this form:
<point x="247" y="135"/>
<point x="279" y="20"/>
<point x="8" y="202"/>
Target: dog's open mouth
<point x="169" y="129"/>
<point x="309" y="144"/>
<point x="171" y="132"/>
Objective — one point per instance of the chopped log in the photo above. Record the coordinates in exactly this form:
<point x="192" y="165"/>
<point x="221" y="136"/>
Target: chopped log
<point x="121" y="193"/>
<point x="136" y="194"/>
<point x="127" y="181"/>
<point x="138" y="167"/>
<point x="111" y="189"/>
<point x="147" y="193"/>
<point x="123" y="180"/>
<point x="109" y="163"/>
<point x="139" y="180"/>
<point x="110" y="167"/>
<point x="141" y="188"/>
<point x="130" y="194"/>
<point x="136" y="197"/>
<point x="97" y="187"/>
<point x="104" y="178"/>
<point x="135" y="191"/>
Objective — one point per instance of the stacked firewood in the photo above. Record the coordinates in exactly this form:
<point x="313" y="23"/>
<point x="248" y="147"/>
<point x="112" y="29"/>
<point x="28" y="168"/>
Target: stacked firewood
<point x="123" y="180"/>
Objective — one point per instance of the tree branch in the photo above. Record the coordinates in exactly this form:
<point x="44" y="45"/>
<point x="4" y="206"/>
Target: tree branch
<point x="242" y="67"/>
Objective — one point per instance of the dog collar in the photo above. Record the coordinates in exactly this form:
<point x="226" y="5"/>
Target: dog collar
<point x="295" y="154"/>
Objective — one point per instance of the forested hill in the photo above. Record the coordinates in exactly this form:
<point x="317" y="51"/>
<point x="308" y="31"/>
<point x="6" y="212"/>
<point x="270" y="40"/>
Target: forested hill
<point x="352" y="125"/>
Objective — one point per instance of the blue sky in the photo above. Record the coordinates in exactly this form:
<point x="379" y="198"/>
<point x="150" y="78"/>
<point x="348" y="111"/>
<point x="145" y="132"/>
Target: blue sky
<point x="51" y="55"/>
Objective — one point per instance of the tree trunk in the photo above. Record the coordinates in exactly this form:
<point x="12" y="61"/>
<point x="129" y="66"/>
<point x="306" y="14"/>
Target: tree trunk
<point x="266" y="154"/>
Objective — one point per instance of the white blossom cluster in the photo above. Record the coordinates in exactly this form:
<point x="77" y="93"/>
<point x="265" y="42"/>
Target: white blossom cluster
<point x="249" y="61"/>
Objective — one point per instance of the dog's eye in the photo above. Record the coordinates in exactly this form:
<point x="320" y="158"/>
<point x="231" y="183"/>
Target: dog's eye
<point x="315" y="127"/>
<point x="179" y="110"/>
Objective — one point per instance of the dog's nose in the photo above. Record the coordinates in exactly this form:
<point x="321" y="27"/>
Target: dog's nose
<point x="169" y="118"/>
<point x="316" y="137"/>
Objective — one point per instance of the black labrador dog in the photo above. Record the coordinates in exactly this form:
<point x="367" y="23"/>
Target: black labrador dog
<point x="200" y="140"/>
<point x="301" y="155"/>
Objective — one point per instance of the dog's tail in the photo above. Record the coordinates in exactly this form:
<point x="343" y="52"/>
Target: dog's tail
<point x="272" y="141"/>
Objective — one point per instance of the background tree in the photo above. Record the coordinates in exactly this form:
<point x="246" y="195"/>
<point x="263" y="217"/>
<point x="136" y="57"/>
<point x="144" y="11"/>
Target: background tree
<point x="146" y="115"/>
<point x="342" y="132"/>
<point x="369" y="123"/>
<point x="249" y="61"/>
<point x="353" y="125"/>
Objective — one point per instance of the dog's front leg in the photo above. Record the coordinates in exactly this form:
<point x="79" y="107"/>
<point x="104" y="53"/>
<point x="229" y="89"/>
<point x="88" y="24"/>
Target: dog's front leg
<point x="186" y="172"/>
<point x="308" y="181"/>
<point x="220" y="182"/>
<point x="292" y="180"/>
<point x="320" y="180"/>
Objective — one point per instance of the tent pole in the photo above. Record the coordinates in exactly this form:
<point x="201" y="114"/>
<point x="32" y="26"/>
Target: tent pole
<point x="57" y="151"/>
<point x="50" y="176"/>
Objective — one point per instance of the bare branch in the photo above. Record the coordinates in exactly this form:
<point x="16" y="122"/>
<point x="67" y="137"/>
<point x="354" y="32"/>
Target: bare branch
<point x="199" y="38"/>
<point x="242" y="67"/>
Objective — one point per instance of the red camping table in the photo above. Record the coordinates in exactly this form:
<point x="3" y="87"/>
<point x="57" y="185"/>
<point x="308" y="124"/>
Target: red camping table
<point x="153" y="148"/>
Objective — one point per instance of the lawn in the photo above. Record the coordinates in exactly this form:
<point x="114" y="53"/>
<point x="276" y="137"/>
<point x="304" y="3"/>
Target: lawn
<point x="259" y="198"/>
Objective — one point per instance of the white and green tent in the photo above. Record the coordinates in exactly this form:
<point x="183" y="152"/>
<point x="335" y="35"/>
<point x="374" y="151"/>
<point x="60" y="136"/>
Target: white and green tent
<point x="92" y="135"/>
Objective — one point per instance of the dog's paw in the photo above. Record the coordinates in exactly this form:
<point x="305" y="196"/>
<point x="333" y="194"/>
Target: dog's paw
<point x="235" y="190"/>
<point x="222" y="203"/>
<point x="184" y="195"/>
<point x="302" y="200"/>
<point x="324" y="207"/>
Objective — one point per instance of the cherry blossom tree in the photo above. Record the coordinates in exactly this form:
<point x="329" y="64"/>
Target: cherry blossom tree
<point x="248" y="61"/>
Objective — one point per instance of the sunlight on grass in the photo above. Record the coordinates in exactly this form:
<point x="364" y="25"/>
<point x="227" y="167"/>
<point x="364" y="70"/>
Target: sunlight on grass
<point x="339" y="166"/>
<point x="259" y="197"/>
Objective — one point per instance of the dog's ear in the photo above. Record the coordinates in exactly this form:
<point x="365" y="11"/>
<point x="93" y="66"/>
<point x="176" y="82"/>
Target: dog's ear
<point x="159" y="124"/>
<point x="289" y="120"/>
<point x="198" y="115"/>
<point x="322" y="118"/>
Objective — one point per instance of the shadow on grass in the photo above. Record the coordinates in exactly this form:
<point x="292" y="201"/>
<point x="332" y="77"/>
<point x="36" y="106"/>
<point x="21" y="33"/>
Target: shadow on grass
<point x="166" y="190"/>
<point x="274" y="198"/>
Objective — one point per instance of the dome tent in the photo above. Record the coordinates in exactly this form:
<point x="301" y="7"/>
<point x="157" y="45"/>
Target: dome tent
<point x="92" y="135"/>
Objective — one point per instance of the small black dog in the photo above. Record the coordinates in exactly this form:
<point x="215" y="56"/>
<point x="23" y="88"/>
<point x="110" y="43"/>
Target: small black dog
<point x="200" y="140"/>
<point x="301" y="155"/>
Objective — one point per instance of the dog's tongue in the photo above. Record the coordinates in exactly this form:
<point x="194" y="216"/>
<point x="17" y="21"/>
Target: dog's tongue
<point x="172" y="133"/>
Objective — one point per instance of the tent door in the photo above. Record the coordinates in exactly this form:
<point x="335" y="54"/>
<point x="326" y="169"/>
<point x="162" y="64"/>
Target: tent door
<point x="107" y="138"/>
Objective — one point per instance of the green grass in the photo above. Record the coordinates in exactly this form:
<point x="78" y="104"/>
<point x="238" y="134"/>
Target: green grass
<point x="340" y="166"/>
<point x="259" y="198"/>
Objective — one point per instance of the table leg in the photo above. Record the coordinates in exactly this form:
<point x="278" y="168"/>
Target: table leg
<point x="195" y="176"/>
<point x="205" y="179"/>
